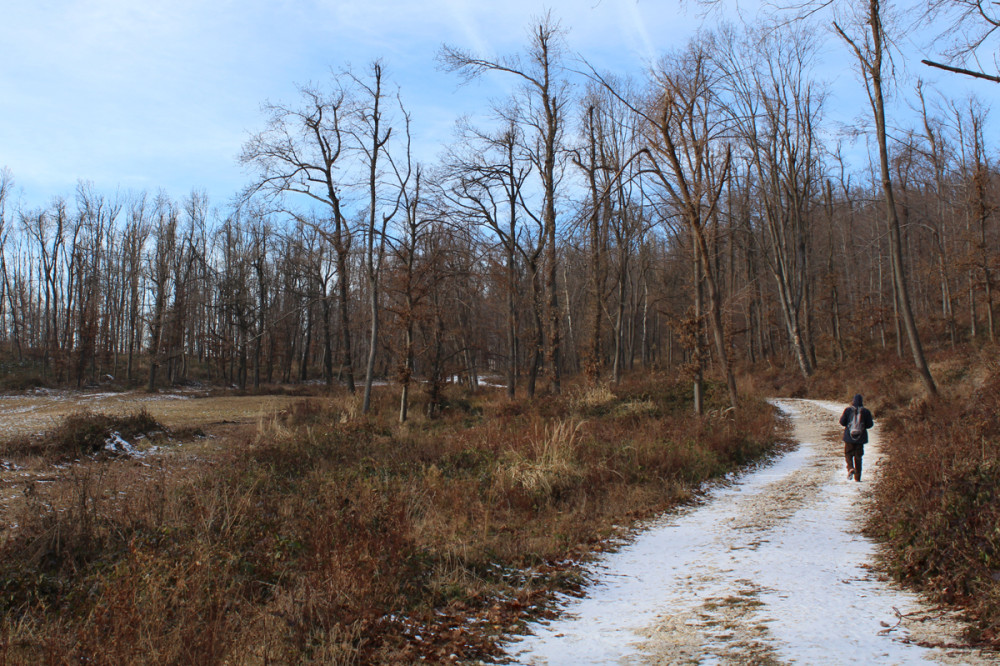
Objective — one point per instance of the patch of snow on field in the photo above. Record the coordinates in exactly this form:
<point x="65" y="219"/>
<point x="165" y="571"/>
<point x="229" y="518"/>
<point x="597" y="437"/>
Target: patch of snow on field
<point x="493" y="381"/>
<point x="159" y="397"/>
<point x="98" y="396"/>
<point x="770" y="569"/>
<point x="18" y="410"/>
<point x="117" y="444"/>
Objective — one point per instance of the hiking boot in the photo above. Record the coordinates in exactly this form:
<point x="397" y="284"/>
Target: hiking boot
<point x="850" y="473"/>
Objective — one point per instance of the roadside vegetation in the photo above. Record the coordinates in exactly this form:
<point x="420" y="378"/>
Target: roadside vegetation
<point x="327" y="536"/>
<point x="937" y="506"/>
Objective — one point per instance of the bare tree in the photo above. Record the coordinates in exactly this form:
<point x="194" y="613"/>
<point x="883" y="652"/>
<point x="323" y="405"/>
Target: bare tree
<point x="302" y="151"/>
<point x="413" y="285"/>
<point x="966" y="25"/>
<point x="6" y="186"/>
<point x="691" y="159"/>
<point x="47" y="230"/>
<point x="935" y="149"/>
<point x="776" y="110"/>
<point x="588" y="161"/>
<point x="617" y="171"/>
<point x="975" y="168"/>
<point x="482" y="180"/>
<point x="372" y="136"/>
<point x="97" y="217"/>
<point x="165" y="235"/>
<point x="544" y="99"/>
<point x="869" y="43"/>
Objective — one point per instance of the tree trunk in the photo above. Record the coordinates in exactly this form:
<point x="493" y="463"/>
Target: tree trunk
<point x="697" y="351"/>
<point x="873" y="72"/>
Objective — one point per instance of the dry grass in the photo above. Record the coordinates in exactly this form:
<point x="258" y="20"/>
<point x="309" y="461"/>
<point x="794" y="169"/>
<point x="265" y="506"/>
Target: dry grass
<point x="27" y="414"/>
<point x="589" y="397"/>
<point x="547" y="466"/>
<point x="324" y="536"/>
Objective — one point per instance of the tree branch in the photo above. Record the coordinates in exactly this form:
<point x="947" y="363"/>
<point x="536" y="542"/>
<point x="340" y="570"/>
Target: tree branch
<point x="959" y="70"/>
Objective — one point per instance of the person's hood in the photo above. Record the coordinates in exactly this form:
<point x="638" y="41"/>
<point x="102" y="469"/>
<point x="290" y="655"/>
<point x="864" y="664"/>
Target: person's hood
<point x="858" y="400"/>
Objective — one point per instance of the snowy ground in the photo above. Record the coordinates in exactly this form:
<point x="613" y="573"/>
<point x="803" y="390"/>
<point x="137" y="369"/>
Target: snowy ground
<point x="770" y="570"/>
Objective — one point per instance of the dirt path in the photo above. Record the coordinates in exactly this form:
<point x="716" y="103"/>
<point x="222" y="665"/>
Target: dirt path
<point x="769" y="570"/>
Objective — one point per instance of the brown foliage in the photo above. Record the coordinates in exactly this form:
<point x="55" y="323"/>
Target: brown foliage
<point x="328" y="537"/>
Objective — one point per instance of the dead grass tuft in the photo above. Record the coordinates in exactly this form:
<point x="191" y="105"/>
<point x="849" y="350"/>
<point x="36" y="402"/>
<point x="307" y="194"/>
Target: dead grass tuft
<point x="549" y="466"/>
<point x="590" y="397"/>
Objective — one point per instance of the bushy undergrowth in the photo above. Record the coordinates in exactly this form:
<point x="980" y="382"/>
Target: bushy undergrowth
<point x="937" y="505"/>
<point x="81" y="433"/>
<point x="326" y="537"/>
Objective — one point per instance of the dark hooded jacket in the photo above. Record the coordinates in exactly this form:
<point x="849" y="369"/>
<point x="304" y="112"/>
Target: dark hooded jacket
<point x="866" y="419"/>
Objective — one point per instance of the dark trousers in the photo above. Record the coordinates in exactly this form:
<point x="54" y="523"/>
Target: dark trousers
<point x="853" y="453"/>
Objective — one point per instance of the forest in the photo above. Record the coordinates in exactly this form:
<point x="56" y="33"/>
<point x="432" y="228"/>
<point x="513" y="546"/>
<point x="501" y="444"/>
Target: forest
<point x="701" y="218"/>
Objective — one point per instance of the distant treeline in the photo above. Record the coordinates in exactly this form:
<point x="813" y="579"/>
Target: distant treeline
<point x="695" y="219"/>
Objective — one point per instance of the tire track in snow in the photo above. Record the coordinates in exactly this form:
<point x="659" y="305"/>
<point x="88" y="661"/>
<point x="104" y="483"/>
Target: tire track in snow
<point x="769" y="570"/>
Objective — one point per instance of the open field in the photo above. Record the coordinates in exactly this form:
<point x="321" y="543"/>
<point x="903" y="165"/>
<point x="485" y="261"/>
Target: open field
<point x="31" y="413"/>
<point x="214" y="418"/>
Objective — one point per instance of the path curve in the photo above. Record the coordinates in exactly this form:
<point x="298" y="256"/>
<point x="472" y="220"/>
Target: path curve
<point x="772" y="569"/>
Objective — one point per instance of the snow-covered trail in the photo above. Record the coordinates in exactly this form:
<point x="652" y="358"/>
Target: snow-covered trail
<point x="770" y="570"/>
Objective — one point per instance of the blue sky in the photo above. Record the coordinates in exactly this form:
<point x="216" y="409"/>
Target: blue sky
<point x="148" y="95"/>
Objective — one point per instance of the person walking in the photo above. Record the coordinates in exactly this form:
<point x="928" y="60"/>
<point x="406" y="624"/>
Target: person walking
<point x="856" y="419"/>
